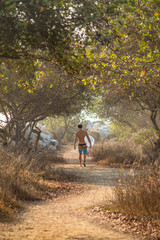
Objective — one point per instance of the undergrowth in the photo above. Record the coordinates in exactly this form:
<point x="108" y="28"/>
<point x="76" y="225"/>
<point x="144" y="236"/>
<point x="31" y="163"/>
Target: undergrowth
<point x="113" y="152"/>
<point x="139" y="194"/>
<point x="23" y="178"/>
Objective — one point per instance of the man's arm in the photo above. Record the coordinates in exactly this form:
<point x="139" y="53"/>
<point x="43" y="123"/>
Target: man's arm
<point x="75" y="140"/>
<point x="89" y="140"/>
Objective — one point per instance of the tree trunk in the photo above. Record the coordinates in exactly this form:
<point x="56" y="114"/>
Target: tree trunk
<point x="156" y="127"/>
<point x="38" y="132"/>
<point x="17" y="132"/>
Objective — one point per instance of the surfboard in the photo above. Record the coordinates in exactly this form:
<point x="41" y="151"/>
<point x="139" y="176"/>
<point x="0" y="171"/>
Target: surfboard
<point x="87" y="142"/>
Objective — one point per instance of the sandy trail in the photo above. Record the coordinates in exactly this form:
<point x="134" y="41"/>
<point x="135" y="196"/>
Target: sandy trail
<point x="65" y="217"/>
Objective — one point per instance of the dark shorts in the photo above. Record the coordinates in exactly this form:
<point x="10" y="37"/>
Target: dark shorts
<point x="82" y="147"/>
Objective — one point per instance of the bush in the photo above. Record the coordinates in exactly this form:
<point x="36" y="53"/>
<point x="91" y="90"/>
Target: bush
<point x="22" y="178"/>
<point x="140" y="194"/>
<point x="117" y="152"/>
<point x="49" y="158"/>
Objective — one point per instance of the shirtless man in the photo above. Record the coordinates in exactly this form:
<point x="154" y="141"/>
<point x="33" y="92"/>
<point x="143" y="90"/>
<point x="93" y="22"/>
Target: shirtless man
<point x="82" y="147"/>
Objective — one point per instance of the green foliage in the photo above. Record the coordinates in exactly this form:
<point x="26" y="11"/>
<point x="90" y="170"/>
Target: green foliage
<point x="32" y="90"/>
<point x="127" y="68"/>
<point x="111" y="47"/>
<point x="143" y="135"/>
<point x="24" y="31"/>
<point x="130" y="61"/>
<point x="120" y="130"/>
<point x="63" y="128"/>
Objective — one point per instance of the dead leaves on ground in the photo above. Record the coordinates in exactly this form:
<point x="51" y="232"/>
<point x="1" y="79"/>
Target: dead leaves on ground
<point x="147" y="228"/>
<point x="63" y="189"/>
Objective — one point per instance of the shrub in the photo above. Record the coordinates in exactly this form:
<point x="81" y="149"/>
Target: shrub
<point x="49" y="158"/>
<point x="116" y="152"/>
<point x="22" y="178"/>
<point x="140" y="194"/>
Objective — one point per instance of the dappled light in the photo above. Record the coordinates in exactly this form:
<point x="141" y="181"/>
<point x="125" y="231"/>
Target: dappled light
<point x="67" y="65"/>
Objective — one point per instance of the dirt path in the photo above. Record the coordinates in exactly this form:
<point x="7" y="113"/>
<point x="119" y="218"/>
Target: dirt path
<point x="65" y="217"/>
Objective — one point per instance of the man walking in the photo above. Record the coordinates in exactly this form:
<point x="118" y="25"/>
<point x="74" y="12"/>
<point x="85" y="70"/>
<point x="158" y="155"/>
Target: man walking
<point x="82" y="147"/>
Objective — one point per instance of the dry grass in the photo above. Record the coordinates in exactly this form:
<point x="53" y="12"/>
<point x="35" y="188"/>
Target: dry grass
<point x="21" y="179"/>
<point x="113" y="152"/>
<point x="59" y="174"/>
<point x="50" y="171"/>
<point x="139" y="195"/>
<point x="50" y="158"/>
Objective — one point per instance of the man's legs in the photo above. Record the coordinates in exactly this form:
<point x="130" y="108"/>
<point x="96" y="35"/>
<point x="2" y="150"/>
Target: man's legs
<point x="80" y="148"/>
<point x="84" y="159"/>
<point x="85" y="155"/>
<point x="80" y="159"/>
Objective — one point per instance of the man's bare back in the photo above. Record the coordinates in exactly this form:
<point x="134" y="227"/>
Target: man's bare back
<point x="81" y="135"/>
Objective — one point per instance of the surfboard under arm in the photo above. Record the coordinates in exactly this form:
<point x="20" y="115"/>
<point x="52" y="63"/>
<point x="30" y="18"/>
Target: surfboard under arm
<point x="87" y="142"/>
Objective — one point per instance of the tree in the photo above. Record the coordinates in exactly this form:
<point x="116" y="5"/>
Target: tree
<point x="39" y="55"/>
<point x="63" y="128"/>
<point x="97" y="42"/>
<point x="127" y="69"/>
<point x="52" y="29"/>
<point x="28" y="96"/>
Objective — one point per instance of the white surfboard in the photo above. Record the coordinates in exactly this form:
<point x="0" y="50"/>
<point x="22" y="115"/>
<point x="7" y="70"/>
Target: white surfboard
<point x="87" y="142"/>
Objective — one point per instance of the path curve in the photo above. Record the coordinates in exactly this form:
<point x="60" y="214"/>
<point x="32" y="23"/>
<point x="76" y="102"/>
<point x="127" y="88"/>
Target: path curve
<point x="65" y="217"/>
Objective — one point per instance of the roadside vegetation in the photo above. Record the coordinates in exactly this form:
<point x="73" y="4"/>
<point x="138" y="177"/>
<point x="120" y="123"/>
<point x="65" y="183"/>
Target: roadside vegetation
<point x="116" y="153"/>
<point x="138" y="192"/>
<point x="28" y="179"/>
